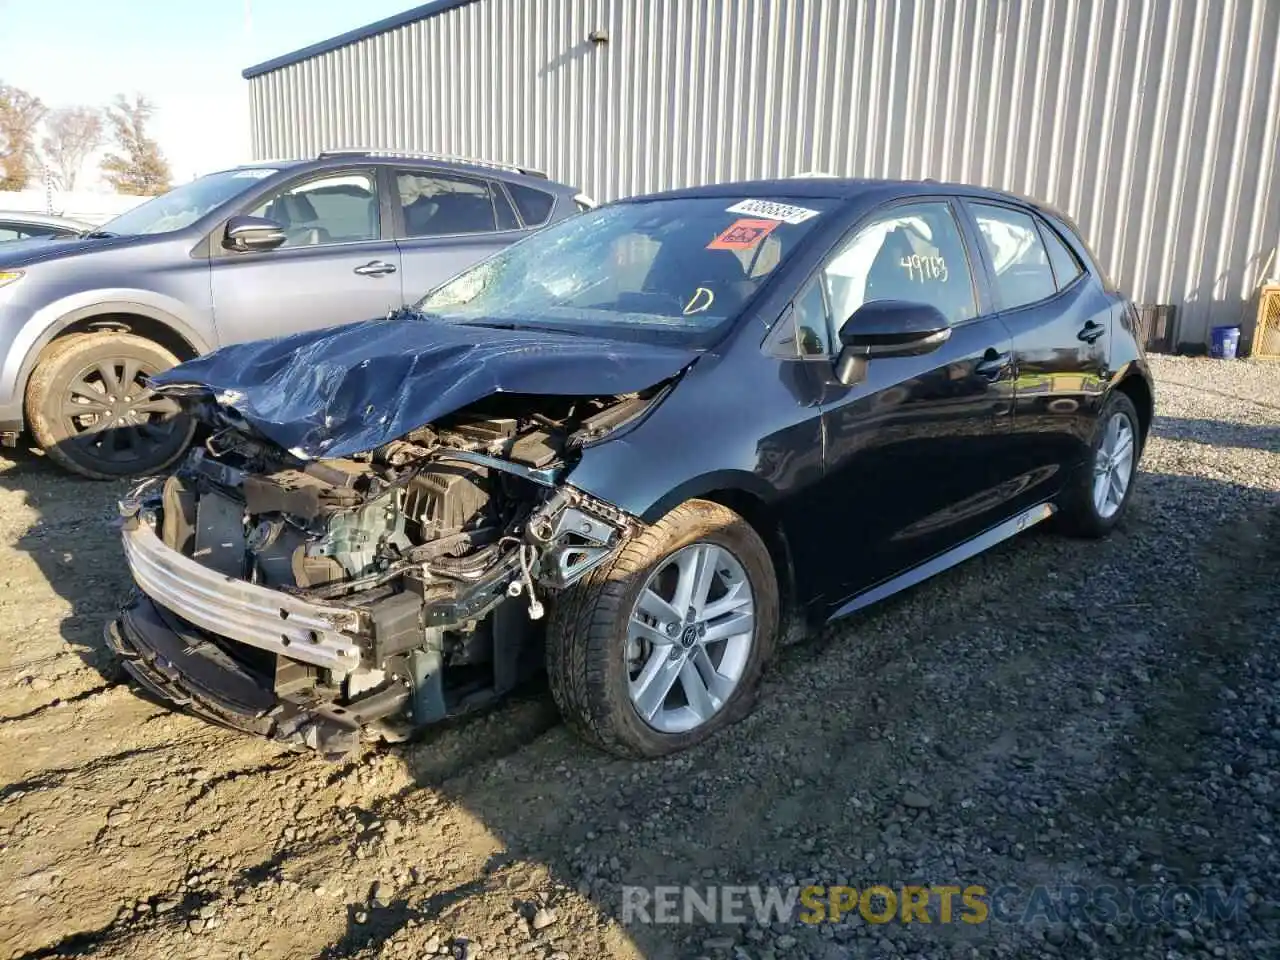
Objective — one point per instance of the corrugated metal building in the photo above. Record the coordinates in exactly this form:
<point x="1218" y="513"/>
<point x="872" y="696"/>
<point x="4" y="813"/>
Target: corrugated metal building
<point x="1155" y="123"/>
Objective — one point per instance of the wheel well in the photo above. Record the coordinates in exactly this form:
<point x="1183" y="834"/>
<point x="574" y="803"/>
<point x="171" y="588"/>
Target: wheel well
<point x="765" y="522"/>
<point x="154" y="330"/>
<point x="1136" y="389"/>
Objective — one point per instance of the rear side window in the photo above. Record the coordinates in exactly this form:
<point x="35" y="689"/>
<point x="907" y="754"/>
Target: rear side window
<point x="1017" y="255"/>
<point x="1065" y="265"/>
<point x="534" y="205"/>
<point x="440" y="205"/>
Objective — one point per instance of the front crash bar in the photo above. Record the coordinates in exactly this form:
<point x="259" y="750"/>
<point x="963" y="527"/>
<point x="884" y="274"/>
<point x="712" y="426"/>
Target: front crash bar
<point x="259" y="616"/>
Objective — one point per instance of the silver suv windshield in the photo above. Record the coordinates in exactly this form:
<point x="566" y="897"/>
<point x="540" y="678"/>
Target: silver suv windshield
<point x="184" y="205"/>
<point x="682" y="264"/>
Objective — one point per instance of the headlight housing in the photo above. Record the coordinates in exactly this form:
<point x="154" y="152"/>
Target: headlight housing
<point x="9" y="276"/>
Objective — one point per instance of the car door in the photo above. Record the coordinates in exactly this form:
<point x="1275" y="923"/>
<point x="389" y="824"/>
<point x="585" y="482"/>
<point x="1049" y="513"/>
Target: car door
<point x="913" y="451"/>
<point x="445" y="222"/>
<point x="338" y="264"/>
<point x="1060" y="318"/>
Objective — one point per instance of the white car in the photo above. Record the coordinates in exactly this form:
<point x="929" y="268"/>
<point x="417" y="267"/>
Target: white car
<point x="39" y="226"/>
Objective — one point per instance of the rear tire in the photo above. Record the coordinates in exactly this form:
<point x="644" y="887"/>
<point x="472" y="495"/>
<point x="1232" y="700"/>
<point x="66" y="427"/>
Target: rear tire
<point x="596" y="665"/>
<point x="1085" y="509"/>
<point x="86" y="381"/>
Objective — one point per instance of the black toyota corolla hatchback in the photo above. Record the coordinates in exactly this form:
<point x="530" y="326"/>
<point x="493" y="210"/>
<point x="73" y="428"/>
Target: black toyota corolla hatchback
<point x="678" y="424"/>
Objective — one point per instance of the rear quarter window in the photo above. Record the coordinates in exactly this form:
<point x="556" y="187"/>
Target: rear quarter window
<point x="534" y="205"/>
<point x="1066" y="267"/>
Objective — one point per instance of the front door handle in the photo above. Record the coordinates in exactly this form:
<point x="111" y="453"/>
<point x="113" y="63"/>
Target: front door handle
<point x="993" y="364"/>
<point x="375" y="268"/>
<point x="1091" y="331"/>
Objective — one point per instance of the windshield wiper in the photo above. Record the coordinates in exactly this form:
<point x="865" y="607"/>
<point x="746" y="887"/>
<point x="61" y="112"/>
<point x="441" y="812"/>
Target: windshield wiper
<point x="525" y="327"/>
<point x="98" y="235"/>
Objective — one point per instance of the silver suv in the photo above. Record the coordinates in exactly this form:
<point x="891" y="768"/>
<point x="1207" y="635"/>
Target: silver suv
<point x="257" y="251"/>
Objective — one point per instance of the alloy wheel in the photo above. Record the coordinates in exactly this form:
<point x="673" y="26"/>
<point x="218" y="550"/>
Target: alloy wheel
<point x="112" y="414"/>
<point x="689" y="637"/>
<point x="1113" y="466"/>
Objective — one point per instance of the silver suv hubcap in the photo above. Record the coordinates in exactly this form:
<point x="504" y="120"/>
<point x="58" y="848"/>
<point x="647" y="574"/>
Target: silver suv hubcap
<point x="1113" y="466"/>
<point x="689" y="637"/>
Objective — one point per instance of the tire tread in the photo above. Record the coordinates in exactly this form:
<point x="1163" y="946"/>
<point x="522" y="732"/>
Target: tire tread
<point x="48" y="369"/>
<point x="583" y="630"/>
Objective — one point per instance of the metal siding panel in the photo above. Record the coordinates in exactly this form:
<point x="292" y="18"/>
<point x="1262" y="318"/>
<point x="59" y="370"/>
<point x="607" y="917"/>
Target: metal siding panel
<point x="1155" y="126"/>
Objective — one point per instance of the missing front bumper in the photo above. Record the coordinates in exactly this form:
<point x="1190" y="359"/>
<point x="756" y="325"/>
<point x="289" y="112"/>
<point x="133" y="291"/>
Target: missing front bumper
<point x="185" y="668"/>
<point x="261" y="617"/>
<point x="324" y="672"/>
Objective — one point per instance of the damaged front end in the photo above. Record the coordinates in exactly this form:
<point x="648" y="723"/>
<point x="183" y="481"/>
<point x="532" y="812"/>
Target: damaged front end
<point x="322" y="601"/>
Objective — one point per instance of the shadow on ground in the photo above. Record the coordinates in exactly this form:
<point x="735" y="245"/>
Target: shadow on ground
<point x="928" y="740"/>
<point x="814" y="788"/>
<point x="1217" y="433"/>
<point x="72" y="541"/>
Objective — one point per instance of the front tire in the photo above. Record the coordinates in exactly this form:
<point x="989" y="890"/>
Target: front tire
<point x="1098" y="496"/>
<point x="660" y="648"/>
<point x="91" y="413"/>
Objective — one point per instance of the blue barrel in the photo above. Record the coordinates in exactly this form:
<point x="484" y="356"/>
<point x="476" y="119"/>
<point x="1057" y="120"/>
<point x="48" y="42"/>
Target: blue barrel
<point x="1223" y="342"/>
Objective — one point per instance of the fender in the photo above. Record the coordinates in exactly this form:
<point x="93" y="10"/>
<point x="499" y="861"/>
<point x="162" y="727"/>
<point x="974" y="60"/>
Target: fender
<point x="715" y="481"/>
<point x="45" y="324"/>
<point x="718" y="480"/>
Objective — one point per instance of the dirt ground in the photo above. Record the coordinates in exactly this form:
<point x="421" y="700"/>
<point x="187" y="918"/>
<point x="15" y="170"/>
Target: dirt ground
<point x="1052" y="710"/>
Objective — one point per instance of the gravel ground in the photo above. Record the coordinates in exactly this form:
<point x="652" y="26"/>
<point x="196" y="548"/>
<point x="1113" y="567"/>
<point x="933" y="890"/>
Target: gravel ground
<point x="1054" y="713"/>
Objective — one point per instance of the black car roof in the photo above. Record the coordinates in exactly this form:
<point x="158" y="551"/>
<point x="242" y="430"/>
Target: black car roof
<point x="839" y="188"/>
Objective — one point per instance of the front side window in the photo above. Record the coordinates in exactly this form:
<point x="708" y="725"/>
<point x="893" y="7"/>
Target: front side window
<point x="440" y="205"/>
<point x="682" y="265"/>
<point x="341" y="208"/>
<point x="1017" y="255"/>
<point x="911" y="252"/>
<point x="811" y="322"/>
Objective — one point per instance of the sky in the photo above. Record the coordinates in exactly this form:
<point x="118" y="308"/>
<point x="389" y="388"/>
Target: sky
<point x="184" y="55"/>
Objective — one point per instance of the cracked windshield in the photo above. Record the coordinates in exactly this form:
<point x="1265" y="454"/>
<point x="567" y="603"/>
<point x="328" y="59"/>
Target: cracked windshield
<point x="686" y="265"/>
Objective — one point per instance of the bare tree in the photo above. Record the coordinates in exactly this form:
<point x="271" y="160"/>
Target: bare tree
<point x="71" y="134"/>
<point x="137" y="167"/>
<point x="20" y="113"/>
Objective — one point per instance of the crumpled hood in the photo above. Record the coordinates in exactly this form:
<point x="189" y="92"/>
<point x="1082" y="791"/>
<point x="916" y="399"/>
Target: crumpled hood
<point x="348" y="389"/>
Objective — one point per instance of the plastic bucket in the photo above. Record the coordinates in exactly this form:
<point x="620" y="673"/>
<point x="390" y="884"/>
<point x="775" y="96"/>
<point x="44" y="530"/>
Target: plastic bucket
<point x="1223" y="342"/>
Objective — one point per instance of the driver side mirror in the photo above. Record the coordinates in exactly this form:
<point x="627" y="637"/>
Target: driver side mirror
<point x="252" y="233"/>
<point x="888" y="328"/>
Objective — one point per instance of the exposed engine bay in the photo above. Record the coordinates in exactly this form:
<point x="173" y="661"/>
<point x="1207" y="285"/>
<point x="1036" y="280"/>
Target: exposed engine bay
<point x="369" y="594"/>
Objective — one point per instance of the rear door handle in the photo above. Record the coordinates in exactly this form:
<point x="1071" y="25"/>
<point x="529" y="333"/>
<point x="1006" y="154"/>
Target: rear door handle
<point x="993" y="364"/>
<point x="375" y="268"/>
<point x="1091" y="331"/>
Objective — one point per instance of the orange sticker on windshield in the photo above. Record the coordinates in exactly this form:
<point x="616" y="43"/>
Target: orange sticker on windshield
<point x="743" y="234"/>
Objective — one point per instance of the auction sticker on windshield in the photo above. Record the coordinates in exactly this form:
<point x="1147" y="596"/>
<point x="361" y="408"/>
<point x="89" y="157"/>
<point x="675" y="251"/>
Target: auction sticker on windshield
<point x="774" y="211"/>
<point x="743" y="234"/>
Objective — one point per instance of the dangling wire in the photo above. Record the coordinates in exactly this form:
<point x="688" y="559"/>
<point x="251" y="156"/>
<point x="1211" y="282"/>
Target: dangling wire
<point x="536" y="610"/>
